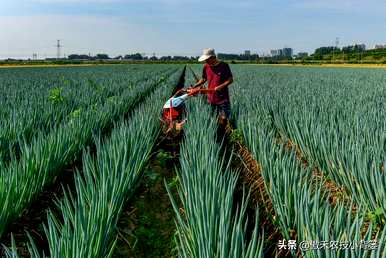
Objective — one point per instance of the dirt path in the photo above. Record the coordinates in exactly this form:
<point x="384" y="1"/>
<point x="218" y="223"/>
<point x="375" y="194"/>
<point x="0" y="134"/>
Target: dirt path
<point x="147" y="227"/>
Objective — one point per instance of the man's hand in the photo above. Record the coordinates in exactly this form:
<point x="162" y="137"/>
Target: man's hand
<point x="193" y="91"/>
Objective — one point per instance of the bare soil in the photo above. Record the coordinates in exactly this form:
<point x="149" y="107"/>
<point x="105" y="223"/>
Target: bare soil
<point x="147" y="226"/>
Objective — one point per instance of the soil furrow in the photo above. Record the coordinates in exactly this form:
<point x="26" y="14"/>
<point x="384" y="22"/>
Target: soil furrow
<point x="147" y="228"/>
<point x="250" y="174"/>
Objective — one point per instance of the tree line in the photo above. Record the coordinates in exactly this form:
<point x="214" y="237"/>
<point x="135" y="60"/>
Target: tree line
<point x="352" y="53"/>
<point x="134" y="57"/>
<point x="138" y="57"/>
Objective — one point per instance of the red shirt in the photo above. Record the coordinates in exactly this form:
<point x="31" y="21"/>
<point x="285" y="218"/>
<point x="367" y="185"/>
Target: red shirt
<point x="216" y="75"/>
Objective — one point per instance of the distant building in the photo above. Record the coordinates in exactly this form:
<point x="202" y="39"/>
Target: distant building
<point x="302" y="54"/>
<point x="247" y="52"/>
<point x="285" y="52"/>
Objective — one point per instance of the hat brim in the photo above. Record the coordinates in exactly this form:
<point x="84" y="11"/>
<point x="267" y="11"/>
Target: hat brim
<point x="203" y="58"/>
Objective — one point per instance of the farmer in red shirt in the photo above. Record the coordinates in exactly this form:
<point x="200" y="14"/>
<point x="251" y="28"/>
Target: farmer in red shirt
<point x="219" y="77"/>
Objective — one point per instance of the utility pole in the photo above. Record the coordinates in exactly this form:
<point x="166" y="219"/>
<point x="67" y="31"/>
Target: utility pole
<point x="336" y="47"/>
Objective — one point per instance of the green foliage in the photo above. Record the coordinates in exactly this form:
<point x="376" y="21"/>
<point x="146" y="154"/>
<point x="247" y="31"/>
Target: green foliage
<point x="377" y="217"/>
<point x="236" y="137"/>
<point x="161" y="79"/>
<point x="164" y="157"/>
<point x="75" y="114"/>
<point x="173" y="183"/>
<point x="56" y="95"/>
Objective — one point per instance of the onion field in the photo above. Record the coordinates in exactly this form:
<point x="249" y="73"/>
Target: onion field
<point x="319" y="135"/>
<point x="299" y="171"/>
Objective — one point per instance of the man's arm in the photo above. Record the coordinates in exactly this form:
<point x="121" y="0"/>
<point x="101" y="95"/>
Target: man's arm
<point x="224" y="84"/>
<point x="200" y="82"/>
<point x="204" y="78"/>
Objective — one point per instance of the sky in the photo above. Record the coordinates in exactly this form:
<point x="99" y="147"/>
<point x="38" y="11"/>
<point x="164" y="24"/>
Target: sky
<point x="185" y="27"/>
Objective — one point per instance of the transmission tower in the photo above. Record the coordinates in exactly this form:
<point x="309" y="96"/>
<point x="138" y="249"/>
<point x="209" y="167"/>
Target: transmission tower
<point x="335" y="48"/>
<point x="58" y="48"/>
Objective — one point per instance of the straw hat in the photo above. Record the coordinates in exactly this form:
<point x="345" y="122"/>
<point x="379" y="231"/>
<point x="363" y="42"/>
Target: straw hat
<point x="206" y="53"/>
